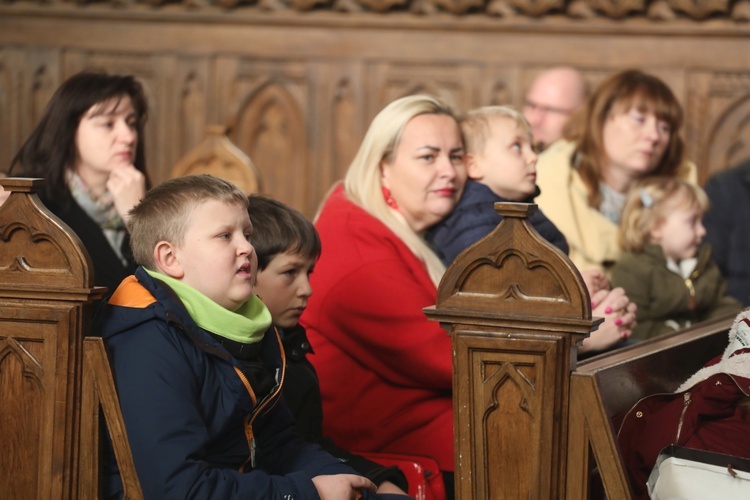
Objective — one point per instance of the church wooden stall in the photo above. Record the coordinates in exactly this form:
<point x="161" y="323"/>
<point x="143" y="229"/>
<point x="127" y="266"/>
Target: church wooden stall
<point x="296" y="82"/>
<point x="529" y="422"/>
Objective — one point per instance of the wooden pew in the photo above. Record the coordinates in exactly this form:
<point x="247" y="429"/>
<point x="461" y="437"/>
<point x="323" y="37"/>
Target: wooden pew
<point x="50" y="384"/>
<point x="606" y="387"/>
<point x="529" y="423"/>
<point x="217" y="155"/>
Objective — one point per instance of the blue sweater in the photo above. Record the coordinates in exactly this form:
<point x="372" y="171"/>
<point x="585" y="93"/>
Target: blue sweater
<point x="474" y="217"/>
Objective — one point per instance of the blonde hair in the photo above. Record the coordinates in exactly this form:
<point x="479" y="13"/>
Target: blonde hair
<point x="363" y="184"/>
<point x="649" y="202"/>
<point x="475" y="125"/>
<point x="164" y="212"/>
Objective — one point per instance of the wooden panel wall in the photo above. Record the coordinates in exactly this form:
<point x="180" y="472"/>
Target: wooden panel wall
<point x="298" y="81"/>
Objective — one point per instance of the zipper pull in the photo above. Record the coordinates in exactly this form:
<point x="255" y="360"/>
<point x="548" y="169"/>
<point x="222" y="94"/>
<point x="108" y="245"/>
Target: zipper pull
<point x="685" y="403"/>
<point x="250" y="436"/>
<point x="691" y="292"/>
<point x="252" y="452"/>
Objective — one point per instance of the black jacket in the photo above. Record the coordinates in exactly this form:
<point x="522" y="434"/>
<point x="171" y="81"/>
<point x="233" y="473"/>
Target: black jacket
<point x="727" y="227"/>
<point x="302" y="395"/>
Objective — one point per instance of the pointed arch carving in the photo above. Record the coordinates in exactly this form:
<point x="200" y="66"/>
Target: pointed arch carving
<point x="344" y="115"/>
<point x="729" y="139"/>
<point x="270" y="128"/>
<point x="20" y="382"/>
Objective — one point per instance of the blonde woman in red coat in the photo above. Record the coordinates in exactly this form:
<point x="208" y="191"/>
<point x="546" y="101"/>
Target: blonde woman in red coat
<point x="385" y="369"/>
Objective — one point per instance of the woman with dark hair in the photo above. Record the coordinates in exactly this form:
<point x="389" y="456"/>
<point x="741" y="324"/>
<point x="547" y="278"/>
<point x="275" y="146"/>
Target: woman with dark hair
<point x="628" y="129"/>
<point x="89" y="148"/>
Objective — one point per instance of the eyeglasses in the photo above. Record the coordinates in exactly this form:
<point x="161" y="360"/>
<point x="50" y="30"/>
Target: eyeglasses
<point x="532" y="106"/>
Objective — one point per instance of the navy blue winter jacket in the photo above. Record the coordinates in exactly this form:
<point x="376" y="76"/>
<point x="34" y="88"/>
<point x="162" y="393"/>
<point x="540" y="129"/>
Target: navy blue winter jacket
<point x="184" y="407"/>
<point x="474" y="217"/>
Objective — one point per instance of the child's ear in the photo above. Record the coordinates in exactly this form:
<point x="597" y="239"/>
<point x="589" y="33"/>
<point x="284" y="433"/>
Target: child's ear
<point x="474" y="169"/>
<point x="165" y="256"/>
<point x="655" y="233"/>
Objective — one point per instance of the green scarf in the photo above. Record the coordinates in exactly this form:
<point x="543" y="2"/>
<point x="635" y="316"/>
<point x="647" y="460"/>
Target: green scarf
<point x="246" y="325"/>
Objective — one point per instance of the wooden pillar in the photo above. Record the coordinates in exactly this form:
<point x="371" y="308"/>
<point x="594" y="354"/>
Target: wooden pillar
<point x="46" y="291"/>
<point x="515" y="307"/>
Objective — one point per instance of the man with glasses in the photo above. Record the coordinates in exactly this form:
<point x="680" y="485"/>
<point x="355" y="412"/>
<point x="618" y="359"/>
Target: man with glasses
<point x="552" y="97"/>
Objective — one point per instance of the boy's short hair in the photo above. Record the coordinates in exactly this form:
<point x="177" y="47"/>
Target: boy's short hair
<point x="163" y="213"/>
<point x="649" y="202"/>
<point x="475" y="125"/>
<point x="279" y="228"/>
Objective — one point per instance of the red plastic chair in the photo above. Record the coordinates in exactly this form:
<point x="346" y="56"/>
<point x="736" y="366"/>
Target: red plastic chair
<point x="423" y="473"/>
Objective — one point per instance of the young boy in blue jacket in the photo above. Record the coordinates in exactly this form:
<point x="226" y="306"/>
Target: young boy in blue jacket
<point x="199" y="373"/>
<point x="501" y="166"/>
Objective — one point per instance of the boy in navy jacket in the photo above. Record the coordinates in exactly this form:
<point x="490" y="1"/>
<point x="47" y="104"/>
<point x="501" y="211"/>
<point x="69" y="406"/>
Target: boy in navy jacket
<point x="198" y="371"/>
<point x="501" y="166"/>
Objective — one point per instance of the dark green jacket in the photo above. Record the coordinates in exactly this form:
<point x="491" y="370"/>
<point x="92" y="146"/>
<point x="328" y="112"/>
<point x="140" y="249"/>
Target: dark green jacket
<point x="665" y="300"/>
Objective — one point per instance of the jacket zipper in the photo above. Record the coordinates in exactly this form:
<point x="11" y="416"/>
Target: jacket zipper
<point x="690" y="284"/>
<point x="691" y="293"/>
<point x="265" y="402"/>
<point x="685" y="403"/>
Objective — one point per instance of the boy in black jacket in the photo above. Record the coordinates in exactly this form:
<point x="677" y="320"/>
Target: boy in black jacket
<point x="288" y="246"/>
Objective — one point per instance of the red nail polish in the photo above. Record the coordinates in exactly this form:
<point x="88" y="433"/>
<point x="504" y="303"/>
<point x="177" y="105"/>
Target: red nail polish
<point x="618" y="322"/>
<point x="608" y="310"/>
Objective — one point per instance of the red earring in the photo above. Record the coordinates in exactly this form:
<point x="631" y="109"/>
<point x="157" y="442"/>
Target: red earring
<point x="389" y="198"/>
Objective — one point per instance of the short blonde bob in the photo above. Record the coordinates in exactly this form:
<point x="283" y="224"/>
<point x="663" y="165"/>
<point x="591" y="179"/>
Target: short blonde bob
<point x="649" y="202"/>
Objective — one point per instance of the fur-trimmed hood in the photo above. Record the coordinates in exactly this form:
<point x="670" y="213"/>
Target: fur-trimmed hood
<point x="736" y="357"/>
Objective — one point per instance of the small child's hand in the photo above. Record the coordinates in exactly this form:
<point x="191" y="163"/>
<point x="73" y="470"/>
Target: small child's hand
<point x="595" y="280"/>
<point x="341" y="486"/>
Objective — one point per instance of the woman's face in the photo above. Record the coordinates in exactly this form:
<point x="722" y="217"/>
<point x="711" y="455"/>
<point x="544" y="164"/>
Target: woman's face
<point x="634" y="141"/>
<point x="427" y="172"/>
<point x="106" y="137"/>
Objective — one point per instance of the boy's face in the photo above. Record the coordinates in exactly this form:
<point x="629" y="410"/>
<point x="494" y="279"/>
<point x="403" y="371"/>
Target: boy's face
<point x="216" y="257"/>
<point x="508" y="163"/>
<point x="284" y="287"/>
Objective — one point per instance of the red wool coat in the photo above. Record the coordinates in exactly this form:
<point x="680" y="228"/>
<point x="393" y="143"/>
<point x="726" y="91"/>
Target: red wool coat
<point x="385" y="369"/>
